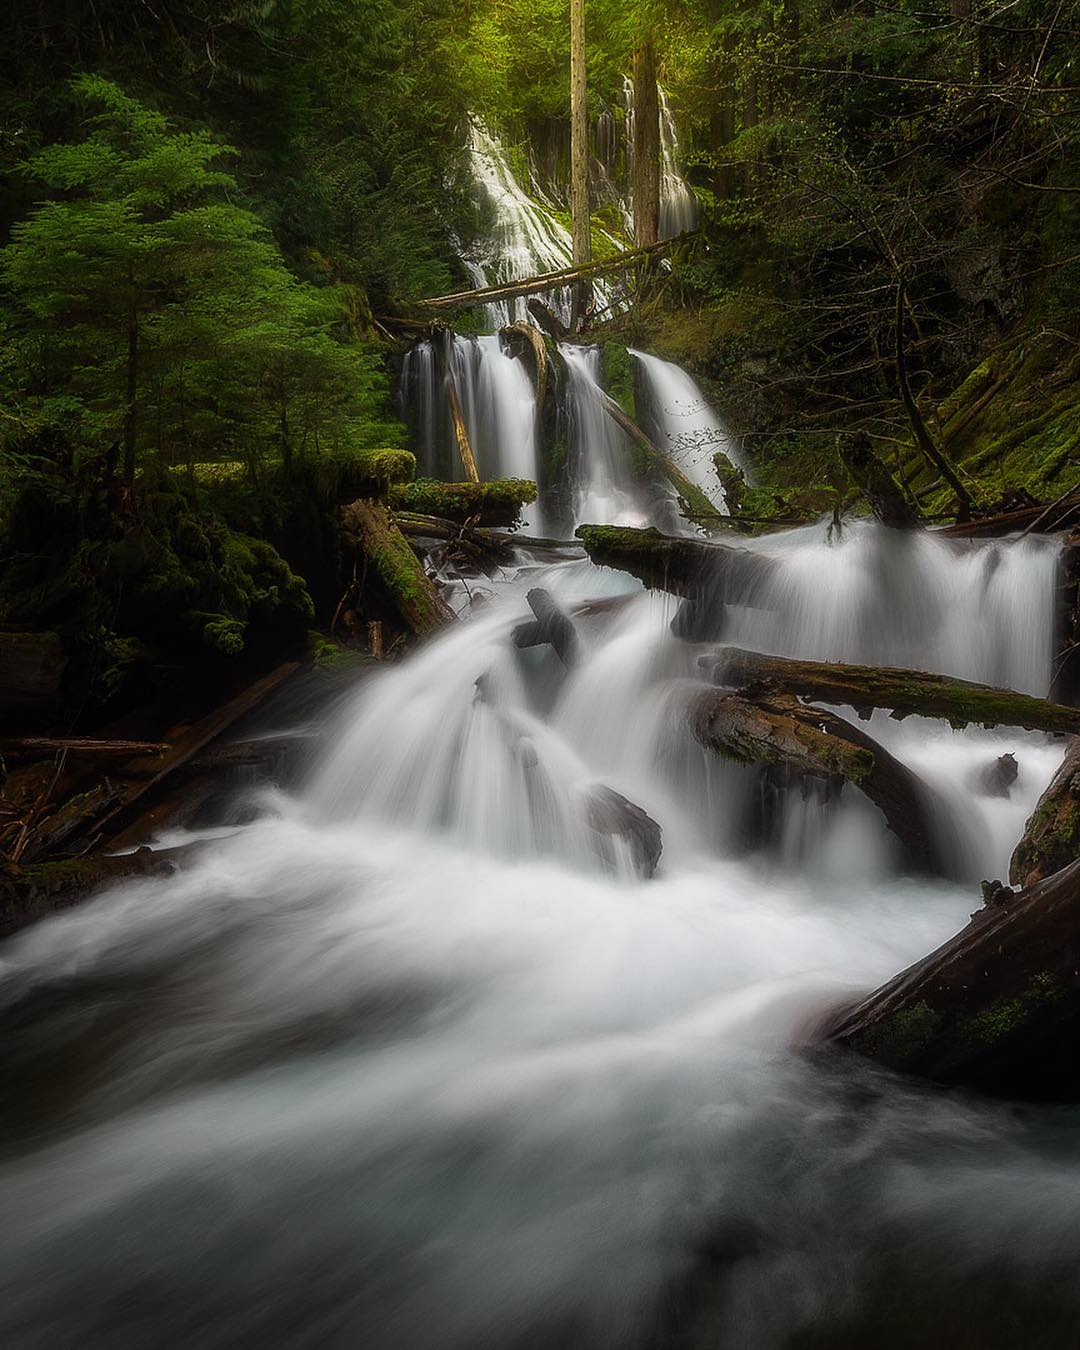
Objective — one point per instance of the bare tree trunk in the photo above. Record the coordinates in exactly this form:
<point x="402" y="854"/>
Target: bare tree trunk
<point x="646" y="176"/>
<point x="579" y="154"/>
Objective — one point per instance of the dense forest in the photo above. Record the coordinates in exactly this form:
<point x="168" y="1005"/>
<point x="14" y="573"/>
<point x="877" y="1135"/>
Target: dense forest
<point x="215" y="219"/>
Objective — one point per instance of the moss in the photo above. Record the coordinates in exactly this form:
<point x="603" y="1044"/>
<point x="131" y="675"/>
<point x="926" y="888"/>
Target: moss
<point x="619" y="376"/>
<point x="898" y="1038"/>
<point x="497" y="502"/>
<point x="327" y="655"/>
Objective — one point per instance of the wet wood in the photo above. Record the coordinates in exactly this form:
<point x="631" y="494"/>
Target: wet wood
<point x="683" y="566"/>
<point x="886" y="497"/>
<point x="695" y="498"/>
<point x="903" y="692"/>
<point x="776" y="728"/>
<point x="996" y="1007"/>
<point x="611" y="816"/>
<point x="551" y="625"/>
<point x="461" y="431"/>
<point x="1037" y="518"/>
<point x="1051" y="838"/>
<point x="526" y="342"/>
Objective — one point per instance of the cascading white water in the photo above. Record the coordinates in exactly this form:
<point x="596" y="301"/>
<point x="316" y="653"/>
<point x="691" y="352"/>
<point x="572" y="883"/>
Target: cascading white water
<point x="678" y="205"/>
<point x="605" y="490"/>
<point x="410" y="1062"/>
<point x="683" y="425"/>
<point x="497" y="399"/>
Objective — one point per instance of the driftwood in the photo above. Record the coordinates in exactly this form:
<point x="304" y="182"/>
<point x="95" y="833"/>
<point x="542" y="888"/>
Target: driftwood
<point x="551" y="625"/>
<point x="612" y="816"/>
<point x="400" y="572"/>
<point x="903" y="692"/>
<point x="1051" y="838"/>
<point x="995" y="1008"/>
<point x="885" y="495"/>
<point x="776" y="728"/>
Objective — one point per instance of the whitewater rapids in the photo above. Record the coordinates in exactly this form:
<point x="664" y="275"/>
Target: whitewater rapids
<point x="405" y="1063"/>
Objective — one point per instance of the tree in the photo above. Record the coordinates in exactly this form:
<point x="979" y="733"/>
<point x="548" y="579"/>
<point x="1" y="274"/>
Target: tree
<point x="646" y="169"/>
<point x="153" y="311"/>
<point x="579" y="149"/>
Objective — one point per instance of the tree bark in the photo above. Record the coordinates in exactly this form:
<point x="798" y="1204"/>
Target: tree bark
<point x="904" y="692"/>
<point x="996" y="1008"/>
<point x="764" y="727"/>
<point x="1051" y="837"/>
<point x="646" y="166"/>
<point x="580" y="210"/>
<point x="398" y="569"/>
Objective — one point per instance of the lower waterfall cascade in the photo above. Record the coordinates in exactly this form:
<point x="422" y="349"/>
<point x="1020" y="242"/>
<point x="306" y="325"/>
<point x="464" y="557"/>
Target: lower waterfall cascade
<point x="408" y="1061"/>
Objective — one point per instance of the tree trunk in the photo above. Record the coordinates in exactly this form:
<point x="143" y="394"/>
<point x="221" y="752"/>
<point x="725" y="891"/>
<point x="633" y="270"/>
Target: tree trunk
<point x="683" y="566"/>
<point x="763" y="727"/>
<point x="695" y="499"/>
<point x="1052" y="834"/>
<point x="580" y="210"/>
<point x="903" y="692"/>
<point x="646" y="167"/>
<point x="996" y="1008"/>
<point x="131" y="395"/>
<point x="552" y="625"/>
<point x="923" y="438"/>
<point x="872" y="478"/>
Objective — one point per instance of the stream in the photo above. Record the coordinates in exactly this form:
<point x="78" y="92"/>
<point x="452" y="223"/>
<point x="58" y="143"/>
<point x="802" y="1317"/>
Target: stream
<point x="407" y="1061"/>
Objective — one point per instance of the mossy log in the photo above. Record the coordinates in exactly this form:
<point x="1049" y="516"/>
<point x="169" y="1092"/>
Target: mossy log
<point x="903" y="692"/>
<point x="687" y="567"/>
<point x="1034" y="519"/>
<point x="698" y="502"/>
<point x="996" y="1008"/>
<point x="776" y="728"/>
<point x="30" y="893"/>
<point x="497" y="502"/>
<point x="1051" y="838"/>
<point x="390" y="557"/>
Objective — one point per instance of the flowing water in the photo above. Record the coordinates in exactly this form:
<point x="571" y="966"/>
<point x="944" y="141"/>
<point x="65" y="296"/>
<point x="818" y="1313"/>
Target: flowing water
<point x="417" y="1059"/>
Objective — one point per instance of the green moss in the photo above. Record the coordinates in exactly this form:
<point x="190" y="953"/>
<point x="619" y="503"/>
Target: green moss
<point x="619" y="377"/>
<point x="497" y="502"/>
<point x="897" y="1038"/>
<point x="328" y="655"/>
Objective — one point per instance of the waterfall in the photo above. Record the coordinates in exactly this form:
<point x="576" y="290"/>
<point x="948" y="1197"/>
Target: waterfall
<point x="678" y="205"/>
<point x="605" y="490"/>
<point x="415" y="1061"/>
<point x="681" y="423"/>
<point x="497" y="399"/>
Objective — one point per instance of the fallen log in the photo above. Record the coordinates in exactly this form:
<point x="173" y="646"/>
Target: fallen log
<point x="30" y="893"/>
<point x="552" y="625"/>
<point x="996" y="1007"/>
<point x="1036" y="518"/>
<point x="71" y="820"/>
<point x="1051" y="838"/>
<point x="691" y="494"/>
<point x="775" y="728"/>
<point x="526" y="342"/>
<point x="903" y="692"/>
<point x="687" y="567"/>
<point x="400" y="572"/>
<point x="496" y="502"/>
<point x="41" y="746"/>
<point x="547" y="319"/>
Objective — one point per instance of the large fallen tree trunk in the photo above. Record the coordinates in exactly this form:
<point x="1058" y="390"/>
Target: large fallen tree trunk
<point x="398" y="569"/>
<point x="698" y="502"/>
<point x="496" y="502"/>
<point x="775" y="728"/>
<point x="1052" y="835"/>
<point x="903" y="692"/>
<point x="1036" y="519"/>
<point x="996" y="1008"/>
<point x="685" y="567"/>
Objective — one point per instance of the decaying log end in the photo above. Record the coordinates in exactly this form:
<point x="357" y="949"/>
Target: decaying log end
<point x="996" y="1008"/>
